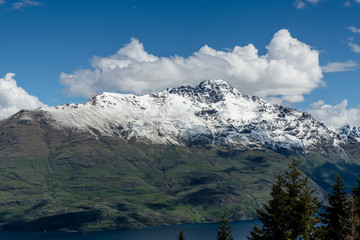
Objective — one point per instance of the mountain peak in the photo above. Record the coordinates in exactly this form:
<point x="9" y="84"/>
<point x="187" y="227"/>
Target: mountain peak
<point x="107" y="98"/>
<point x="218" y="83"/>
<point x="210" y="91"/>
<point x="211" y="113"/>
<point x="349" y="131"/>
<point x="213" y="90"/>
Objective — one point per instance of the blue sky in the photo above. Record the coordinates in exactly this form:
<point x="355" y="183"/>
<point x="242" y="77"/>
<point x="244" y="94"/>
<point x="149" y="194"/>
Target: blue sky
<point x="50" y="46"/>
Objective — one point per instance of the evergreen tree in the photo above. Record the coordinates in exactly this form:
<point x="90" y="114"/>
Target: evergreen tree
<point x="258" y="234"/>
<point x="336" y="216"/>
<point x="356" y="189"/>
<point x="353" y="220"/>
<point x="308" y="210"/>
<point x="272" y="217"/>
<point x="181" y="235"/>
<point x="356" y="196"/>
<point x="292" y="211"/>
<point x="355" y="212"/>
<point x="224" y="231"/>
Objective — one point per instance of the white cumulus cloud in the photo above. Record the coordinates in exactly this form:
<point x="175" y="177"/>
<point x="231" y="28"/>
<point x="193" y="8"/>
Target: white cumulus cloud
<point x="14" y="98"/>
<point x="339" y="66"/>
<point x="287" y="71"/>
<point x="335" y="116"/>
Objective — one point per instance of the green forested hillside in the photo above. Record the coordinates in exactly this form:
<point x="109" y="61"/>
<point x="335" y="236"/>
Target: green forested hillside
<point x="67" y="180"/>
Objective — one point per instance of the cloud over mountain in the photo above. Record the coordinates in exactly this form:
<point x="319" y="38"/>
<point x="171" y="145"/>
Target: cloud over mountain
<point x="335" y="116"/>
<point x="287" y="71"/>
<point x="14" y="98"/>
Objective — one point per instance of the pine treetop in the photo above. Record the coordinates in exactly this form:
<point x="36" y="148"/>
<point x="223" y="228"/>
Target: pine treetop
<point x="291" y="213"/>
<point x="336" y="216"/>
<point x="181" y="235"/>
<point x="224" y="231"/>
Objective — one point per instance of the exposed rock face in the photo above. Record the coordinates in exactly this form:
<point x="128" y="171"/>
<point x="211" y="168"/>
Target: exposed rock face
<point x="353" y="132"/>
<point x="212" y="113"/>
<point x="121" y="160"/>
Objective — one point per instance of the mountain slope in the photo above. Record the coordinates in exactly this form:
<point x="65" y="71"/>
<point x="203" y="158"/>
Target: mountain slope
<point x="353" y="132"/>
<point x="212" y="113"/>
<point x="182" y="155"/>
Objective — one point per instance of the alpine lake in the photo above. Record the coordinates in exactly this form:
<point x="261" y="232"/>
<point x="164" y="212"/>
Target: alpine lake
<point x="200" y="231"/>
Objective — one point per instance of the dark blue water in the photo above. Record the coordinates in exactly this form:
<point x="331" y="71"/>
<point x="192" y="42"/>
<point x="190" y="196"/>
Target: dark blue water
<point x="191" y="232"/>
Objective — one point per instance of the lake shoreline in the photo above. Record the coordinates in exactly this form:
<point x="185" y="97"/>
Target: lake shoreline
<point x="194" y="231"/>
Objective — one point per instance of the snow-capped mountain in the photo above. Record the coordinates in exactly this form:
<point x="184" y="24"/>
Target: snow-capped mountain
<point x="350" y="131"/>
<point x="212" y="113"/>
<point x="131" y="160"/>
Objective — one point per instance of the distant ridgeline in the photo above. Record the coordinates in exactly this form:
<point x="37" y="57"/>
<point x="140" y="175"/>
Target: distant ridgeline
<point x="182" y="155"/>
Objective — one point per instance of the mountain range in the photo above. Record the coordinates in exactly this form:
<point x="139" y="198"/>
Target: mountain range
<point x="181" y="155"/>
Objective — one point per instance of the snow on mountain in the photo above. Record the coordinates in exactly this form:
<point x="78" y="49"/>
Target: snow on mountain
<point x="350" y="132"/>
<point x="212" y="113"/>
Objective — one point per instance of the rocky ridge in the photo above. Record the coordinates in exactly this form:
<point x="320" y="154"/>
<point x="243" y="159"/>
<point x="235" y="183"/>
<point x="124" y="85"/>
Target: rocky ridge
<point x="182" y="155"/>
<point x="212" y="113"/>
